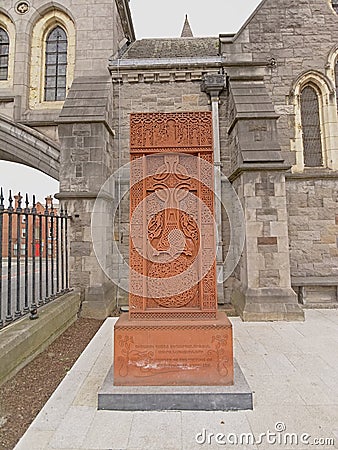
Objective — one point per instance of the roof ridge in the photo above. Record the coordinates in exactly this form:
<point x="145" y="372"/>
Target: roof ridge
<point x="176" y="38"/>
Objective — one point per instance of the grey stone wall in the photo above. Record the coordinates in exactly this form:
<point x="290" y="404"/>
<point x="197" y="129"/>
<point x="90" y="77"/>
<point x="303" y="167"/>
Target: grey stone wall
<point x="298" y="35"/>
<point x="289" y="38"/>
<point x="99" y="31"/>
<point x="261" y="283"/>
<point x="312" y="206"/>
<point x="151" y="97"/>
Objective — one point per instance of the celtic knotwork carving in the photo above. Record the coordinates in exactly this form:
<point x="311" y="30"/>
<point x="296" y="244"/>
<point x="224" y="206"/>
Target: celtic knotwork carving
<point x="135" y="302"/>
<point x="174" y="201"/>
<point x="170" y="130"/>
<point x="173" y="234"/>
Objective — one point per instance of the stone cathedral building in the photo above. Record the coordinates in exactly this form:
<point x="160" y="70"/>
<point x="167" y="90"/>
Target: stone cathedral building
<point x="72" y="72"/>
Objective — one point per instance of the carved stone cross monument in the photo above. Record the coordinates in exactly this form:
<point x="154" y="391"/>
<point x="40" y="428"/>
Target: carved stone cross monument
<point x="173" y="334"/>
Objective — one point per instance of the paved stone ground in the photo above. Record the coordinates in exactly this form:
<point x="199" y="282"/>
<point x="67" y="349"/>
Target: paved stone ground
<point x="24" y="395"/>
<point x="291" y="367"/>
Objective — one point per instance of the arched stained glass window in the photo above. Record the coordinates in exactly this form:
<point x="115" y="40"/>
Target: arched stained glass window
<point x="312" y="144"/>
<point x="56" y="65"/>
<point x="4" y="54"/>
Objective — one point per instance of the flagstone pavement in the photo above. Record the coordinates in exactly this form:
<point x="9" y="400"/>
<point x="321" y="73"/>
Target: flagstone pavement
<point x="292" y="368"/>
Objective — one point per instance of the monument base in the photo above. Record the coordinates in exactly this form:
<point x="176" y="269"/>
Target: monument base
<point x="165" y="398"/>
<point x="167" y="353"/>
<point x="267" y="304"/>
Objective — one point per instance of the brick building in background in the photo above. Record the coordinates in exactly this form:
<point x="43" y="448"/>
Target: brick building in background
<point x="38" y="247"/>
<point x="71" y="74"/>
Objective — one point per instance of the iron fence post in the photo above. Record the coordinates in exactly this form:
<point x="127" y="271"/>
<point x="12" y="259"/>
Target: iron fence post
<point x="18" y="211"/>
<point x="9" y="315"/>
<point x="40" y="261"/>
<point x="26" y="307"/>
<point x="62" y="252"/>
<point x="46" y="253"/>
<point x="66" y="248"/>
<point x="52" y="249"/>
<point x="33" y="249"/>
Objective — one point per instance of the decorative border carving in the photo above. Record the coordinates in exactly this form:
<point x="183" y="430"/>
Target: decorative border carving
<point x="193" y="327"/>
<point x="185" y="132"/>
<point x="191" y="315"/>
<point x="178" y="132"/>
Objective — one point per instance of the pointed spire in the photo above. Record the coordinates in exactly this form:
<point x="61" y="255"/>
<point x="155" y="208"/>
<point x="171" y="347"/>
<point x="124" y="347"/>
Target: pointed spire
<point x="186" y="31"/>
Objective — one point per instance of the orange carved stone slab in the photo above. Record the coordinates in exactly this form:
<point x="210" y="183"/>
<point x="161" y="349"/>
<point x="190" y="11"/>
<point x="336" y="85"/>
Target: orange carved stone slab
<point x="173" y="334"/>
<point x="172" y="227"/>
<point x="164" y="353"/>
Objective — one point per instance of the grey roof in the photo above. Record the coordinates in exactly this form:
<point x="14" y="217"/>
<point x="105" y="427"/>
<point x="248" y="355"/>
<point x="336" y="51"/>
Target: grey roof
<point x="173" y="48"/>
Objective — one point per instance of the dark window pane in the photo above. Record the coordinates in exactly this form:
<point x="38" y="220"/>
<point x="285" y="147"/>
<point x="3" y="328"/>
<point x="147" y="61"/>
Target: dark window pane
<point x="4" y="52"/>
<point x="52" y="35"/>
<point x="4" y="39"/>
<point x="50" y="95"/>
<point x="62" y="70"/>
<point x="62" y="58"/>
<point x="61" y="81"/>
<point x="336" y="77"/>
<point x="4" y="49"/>
<point x="61" y="94"/>
<point x="3" y="61"/>
<point x="62" y="46"/>
<point x="51" y="70"/>
<point x="51" y="47"/>
<point x="3" y="73"/>
<point x="57" y="34"/>
<point x="56" y="65"/>
<point x="51" y="58"/>
<point x="61" y="35"/>
<point x="311" y="128"/>
<point x="50" y="82"/>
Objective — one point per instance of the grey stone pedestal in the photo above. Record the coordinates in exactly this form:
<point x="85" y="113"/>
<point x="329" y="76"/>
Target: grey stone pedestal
<point x="164" y="398"/>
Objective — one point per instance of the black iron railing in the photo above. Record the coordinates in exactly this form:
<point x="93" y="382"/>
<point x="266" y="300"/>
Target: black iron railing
<point x="33" y="256"/>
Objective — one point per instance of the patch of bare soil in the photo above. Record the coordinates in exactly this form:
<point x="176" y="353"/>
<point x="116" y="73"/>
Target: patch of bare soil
<point x="22" y="397"/>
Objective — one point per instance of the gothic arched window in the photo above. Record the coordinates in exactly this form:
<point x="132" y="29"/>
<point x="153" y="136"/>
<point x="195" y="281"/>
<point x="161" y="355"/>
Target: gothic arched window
<point x="336" y="78"/>
<point x="310" y="117"/>
<point x="56" y="65"/>
<point x="4" y="54"/>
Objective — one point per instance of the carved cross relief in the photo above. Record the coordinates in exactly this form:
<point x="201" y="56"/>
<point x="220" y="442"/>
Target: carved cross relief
<point x="172" y="209"/>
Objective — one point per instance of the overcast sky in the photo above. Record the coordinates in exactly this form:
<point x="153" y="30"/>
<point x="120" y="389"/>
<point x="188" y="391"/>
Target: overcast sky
<point x="156" y="18"/>
<point x="152" y="18"/>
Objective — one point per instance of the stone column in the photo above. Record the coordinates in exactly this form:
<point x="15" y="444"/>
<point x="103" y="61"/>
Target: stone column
<point x="86" y="139"/>
<point x="213" y="85"/>
<point x="265" y="292"/>
<point x="258" y="170"/>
